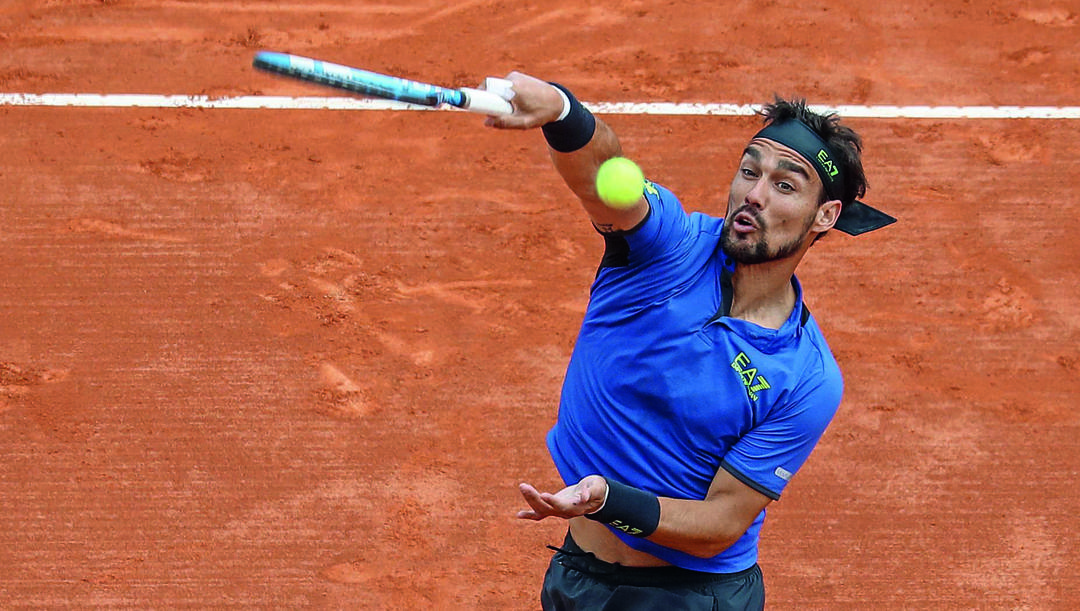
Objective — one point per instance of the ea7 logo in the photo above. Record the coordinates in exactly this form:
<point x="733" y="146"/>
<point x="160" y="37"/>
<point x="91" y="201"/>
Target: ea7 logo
<point x="830" y="167"/>
<point x="626" y="528"/>
<point x="753" y="382"/>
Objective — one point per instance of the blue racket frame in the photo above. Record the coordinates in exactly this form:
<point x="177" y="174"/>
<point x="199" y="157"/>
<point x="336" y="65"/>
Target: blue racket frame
<point x="358" y="81"/>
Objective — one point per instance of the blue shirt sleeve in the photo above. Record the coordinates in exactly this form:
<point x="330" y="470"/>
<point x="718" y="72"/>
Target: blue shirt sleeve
<point x="664" y="229"/>
<point x="657" y="257"/>
<point x="772" y="452"/>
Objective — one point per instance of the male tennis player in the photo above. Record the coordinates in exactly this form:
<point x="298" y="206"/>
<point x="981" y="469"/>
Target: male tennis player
<point x="699" y="383"/>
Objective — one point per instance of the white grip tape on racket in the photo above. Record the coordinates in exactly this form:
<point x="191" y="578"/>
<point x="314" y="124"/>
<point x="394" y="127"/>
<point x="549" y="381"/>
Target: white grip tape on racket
<point x="486" y="103"/>
<point x="494" y="99"/>
<point x="504" y="88"/>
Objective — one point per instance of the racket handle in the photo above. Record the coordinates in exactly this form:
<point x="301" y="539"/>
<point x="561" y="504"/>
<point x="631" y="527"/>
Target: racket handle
<point x="485" y="102"/>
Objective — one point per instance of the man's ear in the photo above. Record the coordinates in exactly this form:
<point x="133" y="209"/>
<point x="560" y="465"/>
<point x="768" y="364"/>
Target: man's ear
<point x="827" y="214"/>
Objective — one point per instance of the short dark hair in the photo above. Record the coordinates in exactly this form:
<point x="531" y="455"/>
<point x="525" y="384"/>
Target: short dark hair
<point x="846" y="145"/>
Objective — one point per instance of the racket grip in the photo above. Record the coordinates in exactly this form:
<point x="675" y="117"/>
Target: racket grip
<point x="485" y="102"/>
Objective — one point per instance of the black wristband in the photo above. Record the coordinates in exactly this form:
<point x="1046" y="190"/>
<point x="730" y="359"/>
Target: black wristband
<point x="574" y="131"/>
<point x="628" y="509"/>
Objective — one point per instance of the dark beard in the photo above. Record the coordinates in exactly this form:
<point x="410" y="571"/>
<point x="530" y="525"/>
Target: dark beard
<point x="752" y="254"/>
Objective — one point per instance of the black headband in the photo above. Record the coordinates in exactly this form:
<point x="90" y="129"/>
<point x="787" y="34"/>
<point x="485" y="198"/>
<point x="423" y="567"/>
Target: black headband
<point x="855" y="217"/>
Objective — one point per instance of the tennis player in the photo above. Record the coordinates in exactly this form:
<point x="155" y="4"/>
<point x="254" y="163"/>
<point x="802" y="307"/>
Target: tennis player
<point x="699" y="382"/>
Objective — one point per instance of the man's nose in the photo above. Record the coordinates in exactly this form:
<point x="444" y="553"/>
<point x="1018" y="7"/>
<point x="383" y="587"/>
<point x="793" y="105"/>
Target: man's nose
<point x="756" y="195"/>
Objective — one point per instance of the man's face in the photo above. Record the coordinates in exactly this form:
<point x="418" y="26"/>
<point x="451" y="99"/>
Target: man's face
<point x="773" y="205"/>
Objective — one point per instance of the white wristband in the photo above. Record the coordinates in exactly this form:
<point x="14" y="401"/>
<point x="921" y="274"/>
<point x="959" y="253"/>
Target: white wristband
<point x="607" y="491"/>
<point x="565" y="104"/>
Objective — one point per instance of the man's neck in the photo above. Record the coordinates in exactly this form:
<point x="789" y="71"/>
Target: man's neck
<point x="763" y="293"/>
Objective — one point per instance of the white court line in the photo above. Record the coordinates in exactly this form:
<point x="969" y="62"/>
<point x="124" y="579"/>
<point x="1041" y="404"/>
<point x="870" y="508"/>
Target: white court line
<point x="93" y="100"/>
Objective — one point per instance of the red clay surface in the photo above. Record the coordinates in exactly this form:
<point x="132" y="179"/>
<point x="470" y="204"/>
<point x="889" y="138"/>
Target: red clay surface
<point x="302" y="358"/>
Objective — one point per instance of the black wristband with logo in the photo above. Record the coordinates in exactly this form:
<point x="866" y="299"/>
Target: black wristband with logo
<point x="628" y="509"/>
<point x="575" y="130"/>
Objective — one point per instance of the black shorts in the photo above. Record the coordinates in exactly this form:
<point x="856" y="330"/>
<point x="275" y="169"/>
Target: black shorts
<point x="578" y="581"/>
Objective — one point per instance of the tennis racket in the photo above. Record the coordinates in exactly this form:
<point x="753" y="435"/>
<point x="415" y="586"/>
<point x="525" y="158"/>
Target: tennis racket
<point x="378" y="85"/>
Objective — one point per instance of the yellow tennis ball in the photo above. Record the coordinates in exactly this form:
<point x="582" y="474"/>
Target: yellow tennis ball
<point x="620" y="182"/>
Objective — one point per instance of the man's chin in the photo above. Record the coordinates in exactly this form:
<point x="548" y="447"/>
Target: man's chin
<point x="745" y="251"/>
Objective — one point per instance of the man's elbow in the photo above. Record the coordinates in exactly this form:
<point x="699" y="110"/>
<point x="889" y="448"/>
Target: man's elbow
<point x="707" y="547"/>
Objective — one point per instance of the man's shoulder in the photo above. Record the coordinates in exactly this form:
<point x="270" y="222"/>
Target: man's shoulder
<point x="707" y="223"/>
<point x="663" y="198"/>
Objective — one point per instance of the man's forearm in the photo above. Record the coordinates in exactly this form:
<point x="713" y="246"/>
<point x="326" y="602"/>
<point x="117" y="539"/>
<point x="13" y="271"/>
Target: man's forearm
<point x="578" y="168"/>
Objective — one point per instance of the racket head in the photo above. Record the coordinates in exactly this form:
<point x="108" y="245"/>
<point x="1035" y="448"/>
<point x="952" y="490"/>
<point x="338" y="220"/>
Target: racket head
<point x="356" y="80"/>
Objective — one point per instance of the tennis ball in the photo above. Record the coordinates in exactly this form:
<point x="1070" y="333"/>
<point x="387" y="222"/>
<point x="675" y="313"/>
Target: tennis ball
<point x="619" y="182"/>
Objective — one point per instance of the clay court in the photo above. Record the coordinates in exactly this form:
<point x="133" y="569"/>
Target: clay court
<point x="302" y="358"/>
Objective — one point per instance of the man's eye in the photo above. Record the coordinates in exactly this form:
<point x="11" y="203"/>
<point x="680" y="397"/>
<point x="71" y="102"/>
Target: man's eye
<point x="786" y="187"/>
<point x="747" y="172"/>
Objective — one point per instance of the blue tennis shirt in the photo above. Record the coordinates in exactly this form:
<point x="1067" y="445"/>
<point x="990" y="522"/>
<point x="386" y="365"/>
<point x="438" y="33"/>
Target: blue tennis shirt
<point x="663" y="388"/>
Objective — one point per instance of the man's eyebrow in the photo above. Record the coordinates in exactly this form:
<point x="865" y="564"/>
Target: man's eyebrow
<point x="793" y="167"/>
<point x="783" y="164"/>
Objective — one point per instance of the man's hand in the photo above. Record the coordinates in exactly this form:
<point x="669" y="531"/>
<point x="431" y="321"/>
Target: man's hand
<point x="583" y="497"/>
<point x="535" y="103"/>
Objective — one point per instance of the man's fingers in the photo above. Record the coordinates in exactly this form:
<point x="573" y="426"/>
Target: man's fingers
<point x="569" y="502"/>
<point x="510" y="122"/>
<point x="562" y="502"/>
<point x="535" y="499"/>
<point x="527" y="490"/>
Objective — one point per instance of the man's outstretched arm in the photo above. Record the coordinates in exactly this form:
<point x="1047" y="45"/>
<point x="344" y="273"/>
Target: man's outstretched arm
<point x="538" y="104"/>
